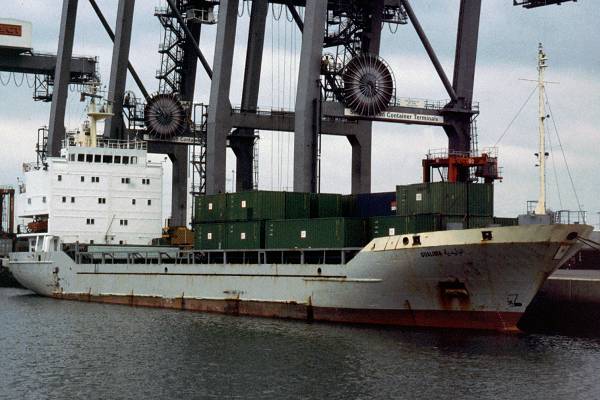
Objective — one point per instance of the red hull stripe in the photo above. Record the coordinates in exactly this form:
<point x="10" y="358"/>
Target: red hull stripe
<point x="487" y="320"/>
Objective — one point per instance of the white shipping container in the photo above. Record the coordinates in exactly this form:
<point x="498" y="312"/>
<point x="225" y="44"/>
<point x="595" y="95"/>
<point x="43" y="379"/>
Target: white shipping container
<point x="15" y="34"/>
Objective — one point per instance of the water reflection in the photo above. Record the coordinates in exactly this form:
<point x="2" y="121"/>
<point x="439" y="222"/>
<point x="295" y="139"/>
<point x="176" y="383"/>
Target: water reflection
<point x="61" y="349"/>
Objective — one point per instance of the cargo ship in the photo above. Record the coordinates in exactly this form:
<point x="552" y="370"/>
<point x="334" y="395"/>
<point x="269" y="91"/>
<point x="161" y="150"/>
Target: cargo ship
<point x="95" y="215"/>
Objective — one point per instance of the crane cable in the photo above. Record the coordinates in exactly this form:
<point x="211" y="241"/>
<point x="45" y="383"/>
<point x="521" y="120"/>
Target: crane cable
<point x="563" y="152"/>
<point x="272" y="83"/>
<point x="15" y="79"/>
<point x="278" y="155"/>
<point x="2" y="80"/>
<point x="282" y="85"/>
<point x="292" y="64"/>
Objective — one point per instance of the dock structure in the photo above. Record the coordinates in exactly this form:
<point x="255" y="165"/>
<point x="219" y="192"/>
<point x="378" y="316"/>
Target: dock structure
<point x="568" y="302"/>
<point x="573" y="286"/>
<point x="351" y="30"/>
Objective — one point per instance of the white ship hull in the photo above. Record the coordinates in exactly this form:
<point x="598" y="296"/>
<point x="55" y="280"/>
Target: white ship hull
<point x="456" y="279"/>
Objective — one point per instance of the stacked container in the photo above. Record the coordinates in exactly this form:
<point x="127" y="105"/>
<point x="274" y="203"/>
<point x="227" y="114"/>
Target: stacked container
<point x="316" y="233"/>
<point x="465" y="205"/>
<point x="287" y="220"/>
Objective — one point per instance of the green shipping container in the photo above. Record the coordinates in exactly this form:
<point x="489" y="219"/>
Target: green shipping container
<point x="446" y="198"/>
<point x="326" y="205"/>
<point x="245" y="235"/>
<point x="265" y="205"/>
<point x="316" y="233"/>
<point x="387" y="226"/>
<point x="210" y="236"/>
<point x="401" y="225"/>
<point x="255" y="205"/>
<point x="210" y="208"/>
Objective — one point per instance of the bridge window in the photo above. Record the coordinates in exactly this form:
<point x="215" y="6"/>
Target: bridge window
<point x="117" y="159"/>
<point x="81" y="157"/>
<point x="107" y="159"/>
<point x="97" y="158"/>
<point x="125" y="159"/>
<point x="89" y="158"/>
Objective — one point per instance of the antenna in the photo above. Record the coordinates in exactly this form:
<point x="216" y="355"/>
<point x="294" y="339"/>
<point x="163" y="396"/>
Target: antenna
<point x="541" y="155"/>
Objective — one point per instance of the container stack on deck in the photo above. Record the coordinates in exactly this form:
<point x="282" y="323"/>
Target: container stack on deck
<point x="288" y="220"/>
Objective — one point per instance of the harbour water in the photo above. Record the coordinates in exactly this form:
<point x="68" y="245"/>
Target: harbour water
<point x="68" y="350"/>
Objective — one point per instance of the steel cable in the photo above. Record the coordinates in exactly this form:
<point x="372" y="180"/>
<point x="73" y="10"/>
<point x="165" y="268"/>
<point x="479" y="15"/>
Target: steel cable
<point x="555" y="173"/>
<point x="242" y="13"/>
<point x="2" y="80"/>
<point x="15" y="79"/>
<point x="288" y="15"/>
<point x="516" y="116"/>
<point x="562" y="151"/>
<point x="280" y="11"/>
<point x="272" y="85"/>
<point x="29" y="85"/>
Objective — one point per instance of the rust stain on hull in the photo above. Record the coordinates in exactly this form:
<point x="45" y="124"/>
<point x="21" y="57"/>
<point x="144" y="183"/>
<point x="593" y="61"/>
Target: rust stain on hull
<point x="482" y="320"/>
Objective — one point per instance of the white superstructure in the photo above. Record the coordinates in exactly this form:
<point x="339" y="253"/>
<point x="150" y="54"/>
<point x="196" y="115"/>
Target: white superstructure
<point x="107" y="194"/>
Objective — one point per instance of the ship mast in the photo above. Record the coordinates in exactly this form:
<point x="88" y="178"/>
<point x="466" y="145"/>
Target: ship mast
<point x="541" y="155"/>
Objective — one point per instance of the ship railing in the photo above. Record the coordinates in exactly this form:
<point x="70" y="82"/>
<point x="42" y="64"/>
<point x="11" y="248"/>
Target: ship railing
<point x="247" y="257"/>
<point x="491" y="152"/>
<point x="112" y="144"/>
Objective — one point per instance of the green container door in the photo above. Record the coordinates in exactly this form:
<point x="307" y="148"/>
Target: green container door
<point x="481" y="199"/>
<point x="326" y="205"/>
<point x="318" y="233"/>
<point x="210" y="208"/>
<point x="297" y="205"/>
<point x="349" y="207"/>
<point x="245" y="235"/>
<point x="210" y="237"/>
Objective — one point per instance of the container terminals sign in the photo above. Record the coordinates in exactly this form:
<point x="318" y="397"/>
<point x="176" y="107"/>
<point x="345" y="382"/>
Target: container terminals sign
<point x="395" y="116"/>
<point x="15" y="35"/>
<point x="10" y="30"/>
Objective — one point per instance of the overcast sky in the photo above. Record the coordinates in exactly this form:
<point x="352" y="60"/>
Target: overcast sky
<point x="508" y="43"/>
